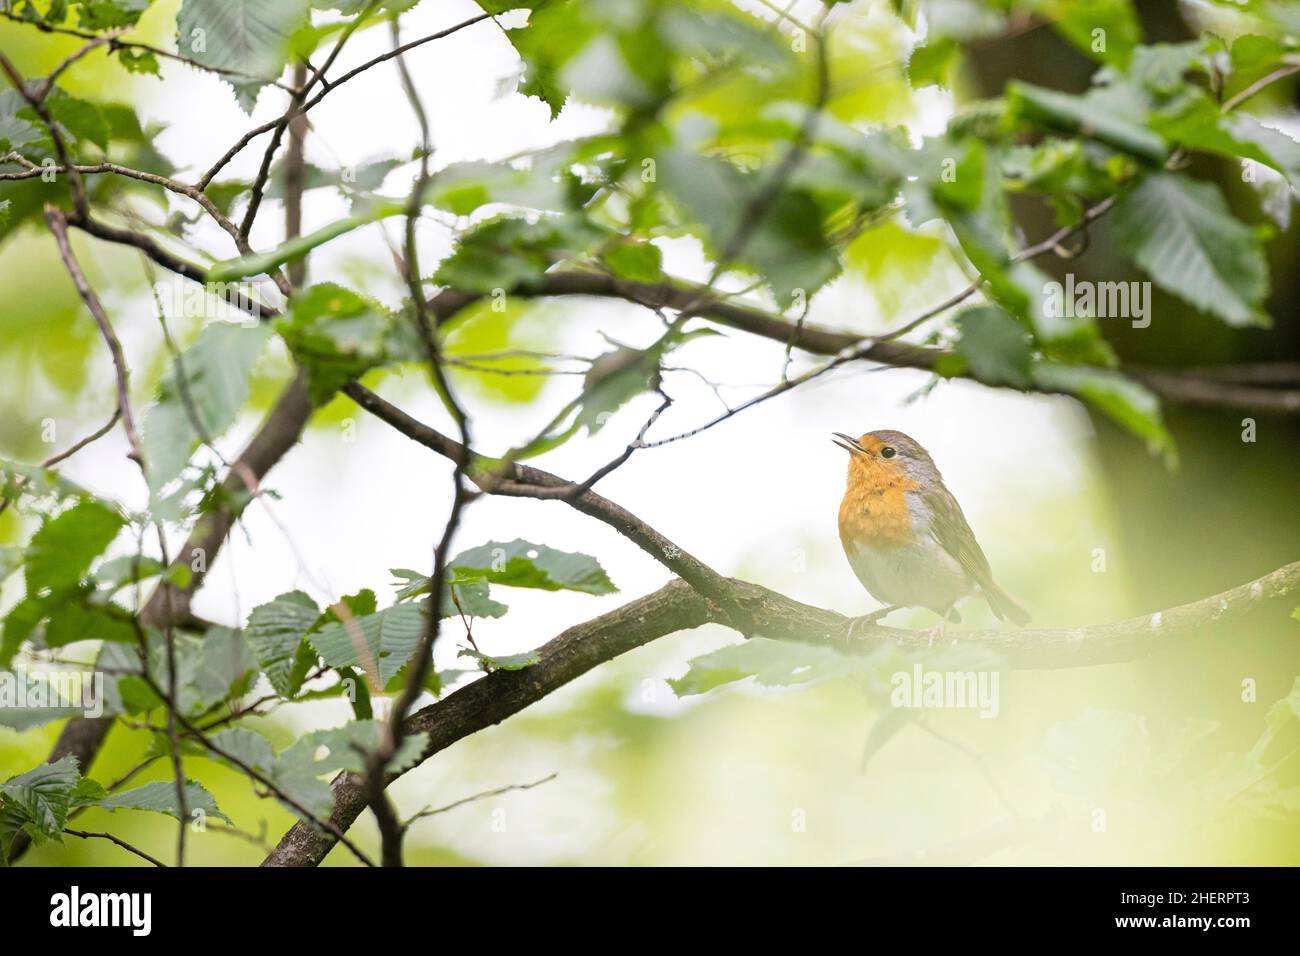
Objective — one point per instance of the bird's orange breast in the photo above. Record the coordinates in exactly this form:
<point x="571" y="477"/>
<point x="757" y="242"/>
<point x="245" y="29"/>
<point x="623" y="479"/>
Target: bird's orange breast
<point x="874" y="511"/>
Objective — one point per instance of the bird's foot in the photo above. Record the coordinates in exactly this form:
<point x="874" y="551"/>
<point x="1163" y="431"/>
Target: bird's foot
<point x="865" y="619"/>
<point x="937" y="632"/>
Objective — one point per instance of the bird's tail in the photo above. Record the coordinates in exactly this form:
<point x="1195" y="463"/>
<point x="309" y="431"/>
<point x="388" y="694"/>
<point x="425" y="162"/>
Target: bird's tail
<point x="1003" y="606"/>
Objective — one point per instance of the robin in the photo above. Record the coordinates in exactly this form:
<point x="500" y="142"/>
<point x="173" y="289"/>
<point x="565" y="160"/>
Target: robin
<point x="905" y="535"/>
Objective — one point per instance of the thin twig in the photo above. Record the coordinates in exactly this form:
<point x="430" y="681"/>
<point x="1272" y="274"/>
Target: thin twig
<point x="485" y="795"/>
<point x="58" y="224"/>
<point x="88" y="835"/>
<point x="328" y="88"/>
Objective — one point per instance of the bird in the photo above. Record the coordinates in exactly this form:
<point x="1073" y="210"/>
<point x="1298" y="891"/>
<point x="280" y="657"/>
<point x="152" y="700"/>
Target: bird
<point x="905" y="535"/>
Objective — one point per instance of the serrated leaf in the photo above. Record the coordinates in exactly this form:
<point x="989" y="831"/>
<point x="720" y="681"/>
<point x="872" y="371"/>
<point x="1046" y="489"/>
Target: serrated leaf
<point x="382" y="642"/>
<point x="337" y="335"/>
<point x="247" y="746"/>
<point x="297" y="770"/>
<point x="97" y="15"/>
<point x="471" y="597"/>
<point x="1093" y="115"/>
<point x="1202" y="126"/>
<point x="521" y="563"/>
<point x="43" y="796"/>
<point x="250" y="37"/>
<point x="276" y="632"/>
<point x="221" y="669"/>
<point x="1181" y="232"/>
<point x="160" y="797"/>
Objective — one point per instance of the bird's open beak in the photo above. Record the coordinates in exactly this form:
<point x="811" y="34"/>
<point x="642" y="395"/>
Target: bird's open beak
<point x="848" y="444"/>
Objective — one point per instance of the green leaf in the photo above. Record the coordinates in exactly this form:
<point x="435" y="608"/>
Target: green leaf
<point x="1094" y="115"/>
<point x="995" y="346"/>
<point x="1181" y="232"/>
<point x="200" y="397"/>
<point x="1127" y="402"/>
<point x="70" y="622"/>
<point x="116" y="573"/>
<point x="337" y="335"/>
<point x="247" y="746"/>
<point x="471" y="599"/>
<point x="638" y="261"/>
<point x="554" y="33"/>
<point x="381" y="643"/>
<point x="298" y="769"/>
<point x="463" y="188"/>
<point x="510" y="662"/>
<point x="508" y="253"/>
<point x="36" y="481"/>
<point x="929" y="62"/>
<point x="787" y="245"/>
<point x="471" y="596"/>
<point x="1201" y="125"/>
<point x="771" y="663"/>
<point x="276" y="633"/>
<point x="1162" y="67"/>
<point x="139" y="61"/>
<point x="613" y="380"/>
<point x="60" y="552"/>
<point x="1252" y="57"/>
<point x="1107" y="30"/>
<point x="521" y="563"/>
<point x="16" y="132"/>
<point x="79" y="119"/>
<point x="97" y="15"/>
<point x="250" y="37"/>
<point x="224" y="668"/>
<point x="160" y="797"/>
<point x="43" y="797"/>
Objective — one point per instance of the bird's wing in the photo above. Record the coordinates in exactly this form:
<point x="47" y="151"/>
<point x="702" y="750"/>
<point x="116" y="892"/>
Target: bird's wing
<point x="948" y="526"/>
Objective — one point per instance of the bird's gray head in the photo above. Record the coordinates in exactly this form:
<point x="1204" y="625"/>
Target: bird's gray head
<point x="889" y="451"/>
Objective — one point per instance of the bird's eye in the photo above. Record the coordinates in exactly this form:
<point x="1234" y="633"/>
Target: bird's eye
<point x="887" y="452"/>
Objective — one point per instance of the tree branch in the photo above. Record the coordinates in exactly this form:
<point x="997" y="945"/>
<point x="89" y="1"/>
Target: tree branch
<point x="676" y="607"/>
<point x="1192" y="387"/>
